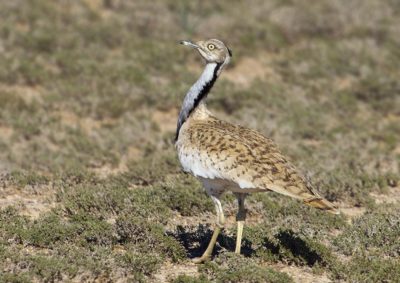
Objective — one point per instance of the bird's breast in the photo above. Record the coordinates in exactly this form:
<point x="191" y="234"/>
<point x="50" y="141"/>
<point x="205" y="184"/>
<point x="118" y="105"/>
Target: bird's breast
<point x="196" y="162"/>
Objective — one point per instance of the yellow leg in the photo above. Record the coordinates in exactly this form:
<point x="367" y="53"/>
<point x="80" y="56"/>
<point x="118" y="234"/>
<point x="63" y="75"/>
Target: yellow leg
<point x="240" y="218"/>
<point x="207" y="254"/>
<point x="239" y="236"/>
<point x="220" y="224"/>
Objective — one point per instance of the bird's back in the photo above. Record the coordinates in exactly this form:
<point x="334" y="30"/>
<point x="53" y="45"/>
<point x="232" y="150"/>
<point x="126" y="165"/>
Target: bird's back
<point x="215" y="149"/>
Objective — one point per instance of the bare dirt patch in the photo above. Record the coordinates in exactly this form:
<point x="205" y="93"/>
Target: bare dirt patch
<point x="28" y="201"/>
<point x="344" y="83"/>
<point x="352" y="212"/>
<point x="87" y="124"/>
<point x="393" y="196"/>
<point x="170" y="271"/>
<point x="132" y="153"/>
<point x="249" y="69"/>
<point x="6" y="132"/>
<point x="165" y="120"/>
<point x="27" y="93"/>
<point x="107" y="170"/>
<point x="302" y="274"/>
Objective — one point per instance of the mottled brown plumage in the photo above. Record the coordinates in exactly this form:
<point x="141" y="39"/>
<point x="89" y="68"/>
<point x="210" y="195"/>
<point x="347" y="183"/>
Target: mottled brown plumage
<point x="227" y="157"/>
<point x="242" y="154"/>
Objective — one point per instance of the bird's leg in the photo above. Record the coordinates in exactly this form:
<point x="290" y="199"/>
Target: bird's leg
<point x="219" y="225"/>
<point x="240" y="218"/>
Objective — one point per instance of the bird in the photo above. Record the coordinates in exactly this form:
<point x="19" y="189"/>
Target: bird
<point x="227" y="157"/>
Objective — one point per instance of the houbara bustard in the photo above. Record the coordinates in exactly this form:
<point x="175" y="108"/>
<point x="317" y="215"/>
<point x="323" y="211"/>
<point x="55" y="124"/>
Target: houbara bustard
<point x="227" y="157"/>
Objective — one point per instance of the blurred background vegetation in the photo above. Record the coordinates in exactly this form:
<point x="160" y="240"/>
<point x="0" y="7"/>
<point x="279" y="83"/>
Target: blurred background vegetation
<point x="90" y="186"/>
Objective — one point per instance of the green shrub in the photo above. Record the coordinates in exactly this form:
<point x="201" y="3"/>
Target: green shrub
<point x="373" y="233"/>
<point x="229" y="267"/>
<point x="140" y="264"/>
<point x="190" y="279"/>
<point x="146" y="236"/>
<point x="368" y="269"/>
<point x="50" y="230"/>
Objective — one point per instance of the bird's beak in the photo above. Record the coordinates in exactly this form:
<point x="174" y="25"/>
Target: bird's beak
<point x="190" y="44"/>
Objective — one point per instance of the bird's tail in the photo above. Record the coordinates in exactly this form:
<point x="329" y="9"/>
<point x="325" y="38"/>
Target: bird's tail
<point x="323" y="204"/>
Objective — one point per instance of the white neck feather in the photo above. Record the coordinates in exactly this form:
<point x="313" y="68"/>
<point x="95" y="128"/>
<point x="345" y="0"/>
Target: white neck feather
<point x="205" y="78"/>
<point x="198" y="92"/>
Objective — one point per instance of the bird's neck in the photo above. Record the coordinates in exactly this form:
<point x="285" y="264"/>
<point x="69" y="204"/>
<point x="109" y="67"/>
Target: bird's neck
<point x="198" y="92"/>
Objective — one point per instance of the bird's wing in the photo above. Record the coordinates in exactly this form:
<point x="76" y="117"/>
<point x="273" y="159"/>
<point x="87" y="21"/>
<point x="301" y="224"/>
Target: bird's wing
<point x="217" y="149"/>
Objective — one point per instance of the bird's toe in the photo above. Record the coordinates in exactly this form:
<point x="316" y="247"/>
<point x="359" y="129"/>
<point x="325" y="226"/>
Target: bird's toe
<point x="201" y="259"/>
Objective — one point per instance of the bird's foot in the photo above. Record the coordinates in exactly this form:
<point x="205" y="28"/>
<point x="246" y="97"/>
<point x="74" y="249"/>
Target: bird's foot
<point x="201" y="259"/>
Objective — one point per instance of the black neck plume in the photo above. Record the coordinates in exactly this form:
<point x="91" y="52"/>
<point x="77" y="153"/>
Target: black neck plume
<point x="197" y="93"/>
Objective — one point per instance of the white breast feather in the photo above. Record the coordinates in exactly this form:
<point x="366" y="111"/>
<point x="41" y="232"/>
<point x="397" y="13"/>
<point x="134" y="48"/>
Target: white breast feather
<point x="201" y="166"/>
<point x="196" y="164"/>
<point x="245" y="184"/>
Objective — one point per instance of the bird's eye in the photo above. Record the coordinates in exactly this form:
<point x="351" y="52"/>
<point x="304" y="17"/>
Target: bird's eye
<point x="211" y="46"/>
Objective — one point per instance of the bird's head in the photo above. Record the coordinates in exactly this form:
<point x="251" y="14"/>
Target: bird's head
<point x="212" y="50"/>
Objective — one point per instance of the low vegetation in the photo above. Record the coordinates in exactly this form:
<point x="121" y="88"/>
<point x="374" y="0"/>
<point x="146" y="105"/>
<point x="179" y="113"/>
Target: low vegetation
<point x="90" y="185"/>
